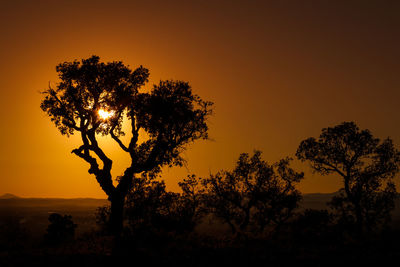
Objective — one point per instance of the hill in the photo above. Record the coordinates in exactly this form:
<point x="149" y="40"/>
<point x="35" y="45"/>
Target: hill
<point x="8" y="196"/>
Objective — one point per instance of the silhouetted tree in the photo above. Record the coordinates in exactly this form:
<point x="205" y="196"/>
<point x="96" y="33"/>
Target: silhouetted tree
<point x="95" y="97"/>
<point x="255" y="194"/>
<point x="60" y="229"/>
<point x="192" y="199"/>
<point x="367" y="167"/>
<point x="150" y="207"/>
<point x="147" y="204"/>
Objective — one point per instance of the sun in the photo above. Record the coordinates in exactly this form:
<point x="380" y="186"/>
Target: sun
<point x="104" y="114"/>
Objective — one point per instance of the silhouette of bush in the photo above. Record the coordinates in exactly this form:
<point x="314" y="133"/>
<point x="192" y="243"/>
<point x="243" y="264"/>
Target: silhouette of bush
<point x="376" y="207"/>
<point x="61" y="229"/>
<point x="102" y="215"/>
<point x="255" y="195"/>
<point x="192" y="201"/>
<point x="149" y="206"/>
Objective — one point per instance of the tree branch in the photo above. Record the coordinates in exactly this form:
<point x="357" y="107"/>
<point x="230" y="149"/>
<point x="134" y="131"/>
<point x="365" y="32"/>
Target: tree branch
<point x="94" y="166"/>
<point x="103" y="177"/>
<point x="333" y="167"/>
<point x="124" y="148"/>
<point x="98" y="151"/>
<point x="135" y="133"/>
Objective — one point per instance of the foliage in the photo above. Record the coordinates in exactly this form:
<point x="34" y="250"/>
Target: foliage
<point x="60" y="229"/>
<point x="376" y="207"/>
<point x="254" y="195"/>
<point x="193" y="198"/>
<point x="151" y="208"/>
<point x="367" y="167"/>
<point x="102" y="215"/>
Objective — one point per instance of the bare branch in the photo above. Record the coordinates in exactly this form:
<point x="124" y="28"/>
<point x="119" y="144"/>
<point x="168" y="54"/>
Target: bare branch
<point x="124" y="148"/>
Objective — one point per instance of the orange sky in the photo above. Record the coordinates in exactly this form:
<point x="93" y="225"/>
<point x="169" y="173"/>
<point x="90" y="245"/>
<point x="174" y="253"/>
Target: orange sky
<point x="277" y="73"/>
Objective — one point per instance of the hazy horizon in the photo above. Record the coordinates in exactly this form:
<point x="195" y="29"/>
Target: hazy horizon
<point x="2" y="195"/>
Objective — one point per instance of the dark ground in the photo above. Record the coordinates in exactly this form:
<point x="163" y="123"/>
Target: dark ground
<point x="23" y="224"/>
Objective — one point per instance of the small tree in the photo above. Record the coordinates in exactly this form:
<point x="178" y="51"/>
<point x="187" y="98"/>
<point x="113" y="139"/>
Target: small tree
<point x="367" y="167"/>
<point x="60" y="229"/>
<point x="150" y="207"/>
<point x="94" y="98"/>
<point x="255" y="194"/>
<point x="192" y="200"/>
<point x="148" y="204"/>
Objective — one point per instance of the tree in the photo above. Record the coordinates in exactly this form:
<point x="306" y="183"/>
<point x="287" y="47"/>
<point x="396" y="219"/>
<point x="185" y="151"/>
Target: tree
<point x="149" y="205"/>
<point x="94" y="98"/>
<point x="367" y="167"/>
<point x="192" y="208"/>
<point x="60" y="229"/>
<point x="255" y="194"/>
<point x="151" y="208"/>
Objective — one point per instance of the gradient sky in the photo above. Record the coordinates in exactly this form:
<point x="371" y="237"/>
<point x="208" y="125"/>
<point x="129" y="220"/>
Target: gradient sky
<point x="277" y="71"/>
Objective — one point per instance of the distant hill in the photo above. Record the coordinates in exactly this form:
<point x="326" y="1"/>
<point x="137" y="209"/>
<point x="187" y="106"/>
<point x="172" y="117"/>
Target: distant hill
<point x="10" y="202"/>
<point x="84" y="203"/>
<point x="316" y="200"/>
<point x="8" y="196"/>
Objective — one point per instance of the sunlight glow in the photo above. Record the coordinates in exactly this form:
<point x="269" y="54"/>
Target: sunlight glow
<point x="104" y="114"/>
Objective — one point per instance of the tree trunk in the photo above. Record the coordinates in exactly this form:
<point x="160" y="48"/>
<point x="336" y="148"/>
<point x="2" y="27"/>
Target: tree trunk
<point x="354" y="199"/>
<point x="118" y="202"/>
<point x="117" y="212"/>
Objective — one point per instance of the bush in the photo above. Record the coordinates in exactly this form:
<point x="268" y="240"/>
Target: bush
<point x="255" y="196"/>
<point x="61" y="229"/>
